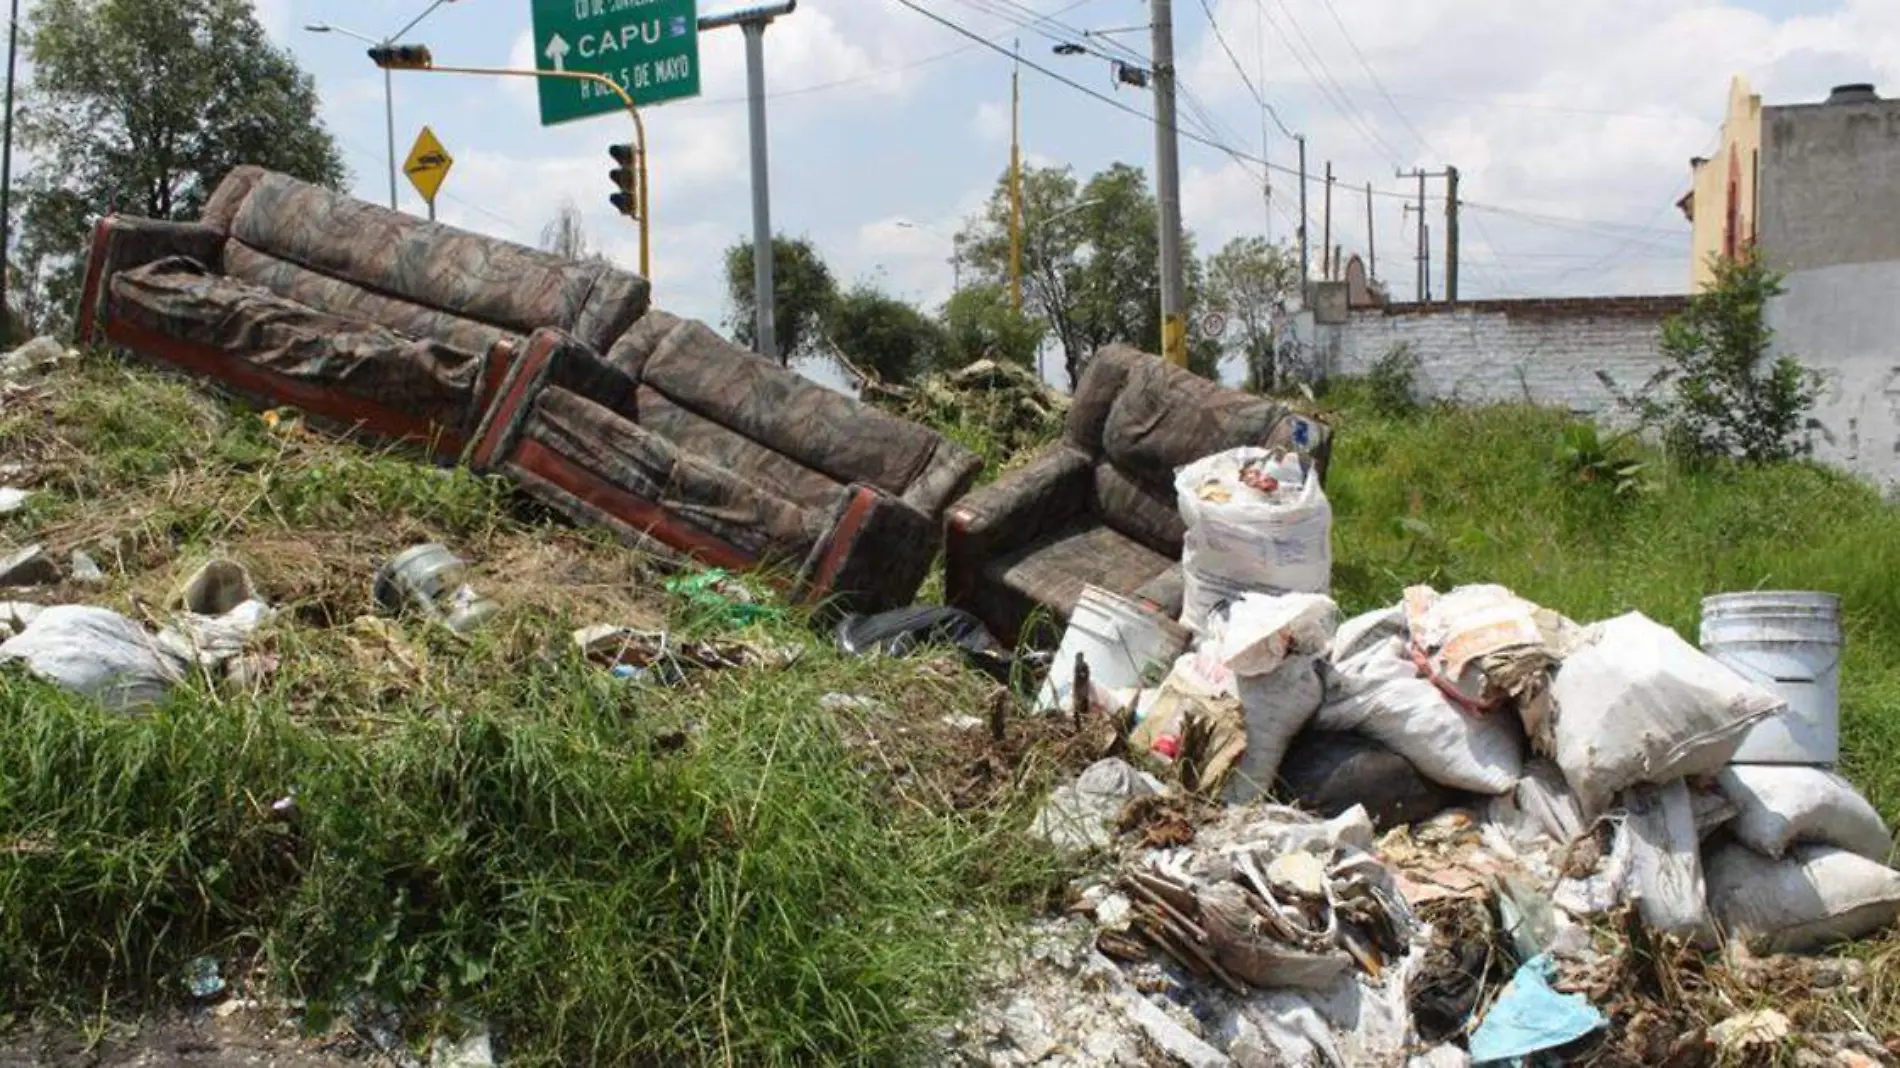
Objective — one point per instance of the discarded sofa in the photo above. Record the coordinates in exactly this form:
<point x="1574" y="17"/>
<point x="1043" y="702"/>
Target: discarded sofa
<point x="1098" y="508"/>
<point x="552" y="372"/>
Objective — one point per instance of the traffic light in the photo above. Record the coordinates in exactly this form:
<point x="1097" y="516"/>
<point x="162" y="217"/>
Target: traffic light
<point x="402" y="57"/>
<point x="626" y="180"/>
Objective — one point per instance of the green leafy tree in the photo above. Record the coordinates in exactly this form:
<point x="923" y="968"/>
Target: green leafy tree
<point x="980" y="324"/>
<point x="804" y="293"/>
<point x="1251" y="280"/>
<point x="1723" y="395"/>
<point x="142" y="106"/>
<point x="880" y="333"/>
<point x="1091" y="260"/>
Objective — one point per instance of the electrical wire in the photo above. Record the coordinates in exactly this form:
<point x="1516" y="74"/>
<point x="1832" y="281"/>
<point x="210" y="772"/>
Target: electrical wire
<point x="1258" y="96"/>
<point x="1376" y="82"/>
<point x="1108" y="100"/>
<point x="1328" y="86"/>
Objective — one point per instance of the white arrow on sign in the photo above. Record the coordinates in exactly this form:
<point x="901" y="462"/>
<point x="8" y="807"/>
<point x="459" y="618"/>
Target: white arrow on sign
<point x="557" y="52"/>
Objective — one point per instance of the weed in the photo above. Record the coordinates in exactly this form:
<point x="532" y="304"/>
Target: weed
<point x="1392" y="383"/>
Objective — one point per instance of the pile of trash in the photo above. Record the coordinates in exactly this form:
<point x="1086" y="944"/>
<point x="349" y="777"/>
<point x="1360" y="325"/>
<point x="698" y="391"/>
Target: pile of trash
<point x="1544" y="789"/>
<point x="1010" y="402"/>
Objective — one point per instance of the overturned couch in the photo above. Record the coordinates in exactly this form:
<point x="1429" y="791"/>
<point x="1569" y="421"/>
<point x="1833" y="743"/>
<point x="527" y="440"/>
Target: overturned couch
<point x="555" y="373"/>
<point x="1098" y="508"/>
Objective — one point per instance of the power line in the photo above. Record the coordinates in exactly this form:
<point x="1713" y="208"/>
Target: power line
<point x="1325" y="82"/>
<point x="1110" y="101"/>
<point x="1374" y="75"/>
<point x="1214" y="24"/>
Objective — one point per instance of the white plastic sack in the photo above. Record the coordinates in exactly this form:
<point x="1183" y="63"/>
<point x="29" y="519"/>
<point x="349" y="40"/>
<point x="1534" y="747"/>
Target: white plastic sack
<point x="1278" y="706"/>
<point x="1815" y="896"/>
<point x="99" y="653"/>
<point x="1205" y="601"/>
<point x="1665" y="880"/>
<point x="1636" y="704"/>
<point x="1379" y="694"/>
<point x="1360" y="633"/>
<point x="1279" y="542"/>
<point x="1076" y="817"/>
<point x="1264" y="630"/>
<point x="1785" y="806"/>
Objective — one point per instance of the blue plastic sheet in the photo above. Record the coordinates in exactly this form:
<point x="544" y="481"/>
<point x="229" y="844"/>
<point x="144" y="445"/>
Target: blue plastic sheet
<point x="1531" y="1017"/>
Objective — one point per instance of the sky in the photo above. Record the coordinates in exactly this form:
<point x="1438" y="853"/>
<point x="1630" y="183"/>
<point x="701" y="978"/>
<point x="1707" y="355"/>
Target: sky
<point x="1572" y="124"/>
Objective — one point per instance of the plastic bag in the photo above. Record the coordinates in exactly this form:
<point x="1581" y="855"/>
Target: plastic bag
<point x="1815" y="896"/>
<point x="1278" y="540"/>
<point x="1530" y="1017"/>
<point x="1378" y="693"/>
<point x="1785" y="806"/>
<point x="1637" y="704"/>
<point x="99" y="653"/>
<point x="1329" y="772"/>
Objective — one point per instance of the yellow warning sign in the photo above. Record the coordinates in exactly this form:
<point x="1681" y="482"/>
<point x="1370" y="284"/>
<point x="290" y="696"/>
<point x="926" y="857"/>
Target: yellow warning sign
<point x="428" y="165"/>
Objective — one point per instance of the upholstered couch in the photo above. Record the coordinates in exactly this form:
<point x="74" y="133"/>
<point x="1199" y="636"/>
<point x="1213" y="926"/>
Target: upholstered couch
<point x="1098" y="508"/>
<point x="553" y="372"/>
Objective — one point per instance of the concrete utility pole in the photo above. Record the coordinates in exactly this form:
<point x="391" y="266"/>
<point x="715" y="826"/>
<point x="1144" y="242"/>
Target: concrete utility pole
<point x="1168" y="190"/>
<point x="752" y="22"/>
<point x="1016" y="183"/>
<point x="1451" y="234"/>
<point x="1304" y="256"/>
<point x="1326" y="228"/>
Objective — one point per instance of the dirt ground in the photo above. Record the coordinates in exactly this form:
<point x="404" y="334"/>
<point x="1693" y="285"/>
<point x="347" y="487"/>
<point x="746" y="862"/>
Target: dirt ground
<point x="239" y="1040"/>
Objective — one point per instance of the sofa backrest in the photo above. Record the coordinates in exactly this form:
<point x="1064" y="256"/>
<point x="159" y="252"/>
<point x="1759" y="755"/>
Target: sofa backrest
<point x="471" y="277"/>
<point x="1145" y="418"/>
<point x="803" y="421"/>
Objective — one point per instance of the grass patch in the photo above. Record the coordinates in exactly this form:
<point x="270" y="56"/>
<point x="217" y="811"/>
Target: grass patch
<point x="720" y="872"/>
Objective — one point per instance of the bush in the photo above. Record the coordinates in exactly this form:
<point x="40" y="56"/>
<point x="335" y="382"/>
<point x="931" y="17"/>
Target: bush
<point x="1393" y="381"/>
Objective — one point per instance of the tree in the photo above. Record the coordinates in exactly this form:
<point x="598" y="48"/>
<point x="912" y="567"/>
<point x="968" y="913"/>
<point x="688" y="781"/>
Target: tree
<point x="1729" y="398"/>
<point x="565" y="235"/>
<point x="1251" y="280"/>
<point x="804" y="293"/>
<point x="1091" y="260"/>
<point x="979" y="324"/>
<point x="880" y="333"/>
<point x="142" y="106"/>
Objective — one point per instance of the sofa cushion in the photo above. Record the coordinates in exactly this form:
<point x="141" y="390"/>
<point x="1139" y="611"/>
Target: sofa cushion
<point x="347" y="300"/>
<point x="1053" y="572"/>
<point x="1167" y="418"/>
<point x="700" y="492"/>
<point x="505" y="285"/>
<point x="718" y="445"/>
<point x="1139" y="510"/>
<point x="822" y="430"/>
<point x="1102" y="381"/>
<point x="330" y="365"/>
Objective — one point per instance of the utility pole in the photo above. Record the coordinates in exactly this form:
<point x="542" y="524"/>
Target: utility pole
<point x="1326" y="228"/>
<point x="1168" y="191"/>
<point x="1303" y="253"/>
<point x="753" y="22"/>
<point x="1372" y="248"/>
<point x="1016" y="183"/>
<point x="6" y="180"/>
<point x="1451" y="234"/>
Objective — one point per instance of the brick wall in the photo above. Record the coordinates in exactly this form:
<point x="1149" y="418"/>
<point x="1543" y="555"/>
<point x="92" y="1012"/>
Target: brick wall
<point x="1544" y="351"/>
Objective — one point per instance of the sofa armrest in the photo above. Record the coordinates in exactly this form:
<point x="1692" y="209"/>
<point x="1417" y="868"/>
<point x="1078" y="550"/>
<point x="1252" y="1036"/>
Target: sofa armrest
<point x="122" y="242"/>
<point x="1050" y="492"/>
<point x="875" y="555"/>
<point x="550" y="358"/>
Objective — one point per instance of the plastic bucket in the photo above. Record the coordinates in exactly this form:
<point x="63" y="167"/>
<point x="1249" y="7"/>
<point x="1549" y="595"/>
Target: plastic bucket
<point x="1126" y="647"/>
<point x="1789" y="644"/>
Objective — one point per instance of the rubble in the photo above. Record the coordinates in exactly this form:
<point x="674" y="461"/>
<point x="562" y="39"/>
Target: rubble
<point x="28" y="567"/>
<point x="1015" y="408"/>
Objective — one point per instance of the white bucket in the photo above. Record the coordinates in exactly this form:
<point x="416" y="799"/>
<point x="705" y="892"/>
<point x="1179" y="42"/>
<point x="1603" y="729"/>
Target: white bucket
<point x="1126" y="647"/>
<point x="1789" y="644"/>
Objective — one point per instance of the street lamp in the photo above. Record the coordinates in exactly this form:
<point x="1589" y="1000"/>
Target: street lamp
<point x="389" y="87"/>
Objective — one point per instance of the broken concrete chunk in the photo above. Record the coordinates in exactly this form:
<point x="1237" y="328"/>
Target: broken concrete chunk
<point x="1179" y="1044"/>
<point x="12" y="499"/>
<point x="29" y="567"/>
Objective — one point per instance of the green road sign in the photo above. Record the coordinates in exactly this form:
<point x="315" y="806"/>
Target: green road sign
<point x="650" y="47"/>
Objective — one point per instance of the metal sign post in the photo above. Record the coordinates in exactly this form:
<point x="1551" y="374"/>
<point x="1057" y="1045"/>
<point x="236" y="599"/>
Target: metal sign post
<point x="753" y="21"/>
